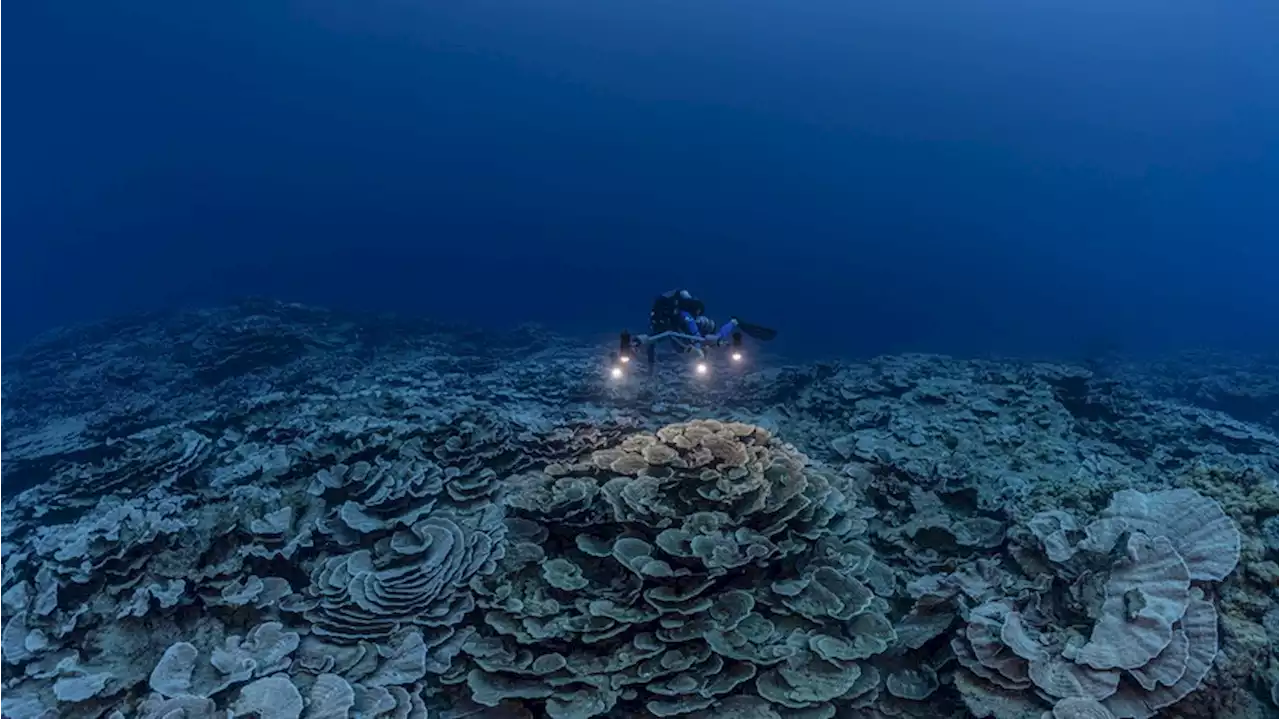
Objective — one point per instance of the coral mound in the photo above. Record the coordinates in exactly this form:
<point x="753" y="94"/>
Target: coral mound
<point x="700" y="570"/>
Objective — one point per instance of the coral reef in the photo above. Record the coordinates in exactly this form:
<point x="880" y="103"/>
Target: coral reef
<point x="1243" y="386"/>
<point x="279" y="511"/>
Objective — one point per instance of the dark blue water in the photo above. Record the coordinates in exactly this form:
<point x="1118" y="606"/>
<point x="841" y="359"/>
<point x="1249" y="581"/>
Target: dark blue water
<point x="958" y="177"/>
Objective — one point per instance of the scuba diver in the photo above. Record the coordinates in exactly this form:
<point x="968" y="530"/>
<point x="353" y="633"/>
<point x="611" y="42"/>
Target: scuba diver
<point x="679" y="311"/>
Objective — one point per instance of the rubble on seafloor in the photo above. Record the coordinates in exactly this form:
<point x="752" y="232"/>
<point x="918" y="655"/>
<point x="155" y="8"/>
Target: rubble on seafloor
<point x="284" y="512"/>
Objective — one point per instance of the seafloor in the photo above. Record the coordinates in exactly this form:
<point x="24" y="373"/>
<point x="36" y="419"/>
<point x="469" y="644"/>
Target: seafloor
<point x="285" y="512"/>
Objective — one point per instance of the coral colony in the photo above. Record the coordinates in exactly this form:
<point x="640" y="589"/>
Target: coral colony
<point x="276" y="511"/>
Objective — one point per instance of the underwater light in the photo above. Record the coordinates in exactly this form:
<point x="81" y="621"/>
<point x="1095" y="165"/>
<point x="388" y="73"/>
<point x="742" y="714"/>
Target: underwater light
<point x="625" y="359"/>
<point x="736" y="356"/>
<point x="700" y="368"/>
<point x="616" y="373"/>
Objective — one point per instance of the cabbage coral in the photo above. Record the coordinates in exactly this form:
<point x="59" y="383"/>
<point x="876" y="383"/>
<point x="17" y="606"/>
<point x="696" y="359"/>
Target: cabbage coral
<point x="703" y="569"/>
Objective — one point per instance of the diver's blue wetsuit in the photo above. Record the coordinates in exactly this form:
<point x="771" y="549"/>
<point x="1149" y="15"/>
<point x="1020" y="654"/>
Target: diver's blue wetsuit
<point x="726" y="330"/>
<point x="690" y="324"/>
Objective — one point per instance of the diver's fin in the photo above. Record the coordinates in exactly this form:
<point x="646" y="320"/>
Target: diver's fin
<point x="764" y="334"/>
